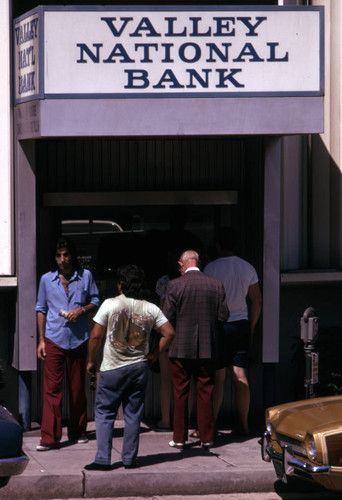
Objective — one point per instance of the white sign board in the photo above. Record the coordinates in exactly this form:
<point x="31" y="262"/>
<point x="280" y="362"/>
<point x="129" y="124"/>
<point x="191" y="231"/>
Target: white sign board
<point x="162" y="51"/>
<point x="26" y="57"/>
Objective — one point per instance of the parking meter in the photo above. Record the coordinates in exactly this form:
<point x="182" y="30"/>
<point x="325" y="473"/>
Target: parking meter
<point x="309" y="334"/>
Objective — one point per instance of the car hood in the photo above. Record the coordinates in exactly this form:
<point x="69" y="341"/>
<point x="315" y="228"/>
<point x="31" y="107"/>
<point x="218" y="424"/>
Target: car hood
<point x="308" y="416"/>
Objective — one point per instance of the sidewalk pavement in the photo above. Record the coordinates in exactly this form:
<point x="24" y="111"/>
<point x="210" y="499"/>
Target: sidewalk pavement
<point x="233" y="465"/>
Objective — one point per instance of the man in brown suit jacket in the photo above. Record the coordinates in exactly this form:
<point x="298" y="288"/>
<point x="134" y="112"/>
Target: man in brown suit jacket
<point x="195" y="305"/>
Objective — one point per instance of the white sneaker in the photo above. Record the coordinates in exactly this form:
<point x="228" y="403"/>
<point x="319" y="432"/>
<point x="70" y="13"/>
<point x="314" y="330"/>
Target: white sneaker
<point x="180" y="446"/>
<point x="43" y="447"/>
<point x="82" y="440"/>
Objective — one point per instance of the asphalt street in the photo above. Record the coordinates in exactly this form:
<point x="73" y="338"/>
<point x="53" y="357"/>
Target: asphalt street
<point x="289" y="495"/>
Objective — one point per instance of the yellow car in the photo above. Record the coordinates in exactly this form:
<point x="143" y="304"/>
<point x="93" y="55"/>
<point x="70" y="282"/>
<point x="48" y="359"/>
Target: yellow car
<point x="304" y="439"/>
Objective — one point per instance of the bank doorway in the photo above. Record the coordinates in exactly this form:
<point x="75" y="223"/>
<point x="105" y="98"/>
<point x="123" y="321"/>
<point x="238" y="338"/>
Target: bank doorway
<point x="143" y="201"/>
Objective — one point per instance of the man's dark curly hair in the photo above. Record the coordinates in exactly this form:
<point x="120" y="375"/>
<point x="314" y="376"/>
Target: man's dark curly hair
<point x="131" y="279"/>
<point x="67" y="243"/>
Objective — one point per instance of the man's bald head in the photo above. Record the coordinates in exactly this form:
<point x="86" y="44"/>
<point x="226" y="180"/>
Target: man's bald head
<point x="189" y="258"/>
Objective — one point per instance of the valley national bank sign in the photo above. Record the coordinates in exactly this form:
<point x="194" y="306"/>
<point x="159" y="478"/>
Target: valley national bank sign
<point x="211" y="51"/>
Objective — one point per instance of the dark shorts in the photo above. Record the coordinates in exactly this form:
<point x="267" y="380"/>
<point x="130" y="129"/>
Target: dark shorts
<point x="235" y="344"/>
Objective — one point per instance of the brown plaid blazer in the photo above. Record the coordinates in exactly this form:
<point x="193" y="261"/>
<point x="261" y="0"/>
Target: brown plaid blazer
<point x="195" y="305"/>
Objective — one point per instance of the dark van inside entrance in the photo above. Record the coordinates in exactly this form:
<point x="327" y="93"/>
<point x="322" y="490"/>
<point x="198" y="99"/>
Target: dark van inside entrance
<point x="143" y="200"/>
<point x="151" y="237"/>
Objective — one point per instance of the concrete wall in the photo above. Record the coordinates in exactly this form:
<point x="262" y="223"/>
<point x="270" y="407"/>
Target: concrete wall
<point x="326" y="244"/>
<point x="326" y="300"/>
<point x="311" y="217"/>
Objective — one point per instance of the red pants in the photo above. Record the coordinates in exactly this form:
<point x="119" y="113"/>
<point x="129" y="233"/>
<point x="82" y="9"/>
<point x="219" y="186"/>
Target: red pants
<point x="203" y="371"/>
<point x="75" y="360"/>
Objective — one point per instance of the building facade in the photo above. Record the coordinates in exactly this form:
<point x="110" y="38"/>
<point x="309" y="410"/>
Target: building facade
<point x="255" y="145"/>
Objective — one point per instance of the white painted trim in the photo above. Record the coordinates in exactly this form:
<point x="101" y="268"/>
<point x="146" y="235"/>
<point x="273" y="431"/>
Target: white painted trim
<point x="8" y="282"/>
<point x="6" y="243"/>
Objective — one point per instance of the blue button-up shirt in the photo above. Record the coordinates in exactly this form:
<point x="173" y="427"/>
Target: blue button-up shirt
<point x="52" y="297"/>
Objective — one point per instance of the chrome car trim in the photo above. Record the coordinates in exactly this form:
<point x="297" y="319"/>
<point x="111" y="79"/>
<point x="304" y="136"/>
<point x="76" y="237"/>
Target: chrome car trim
<point x="268" y="453"/>
<point x="297" y="446"/>
<point x="13" y="466"/>
<point x="290" y="463"/>
<point x="296" y="463"/>
<point x="311" y="469"/>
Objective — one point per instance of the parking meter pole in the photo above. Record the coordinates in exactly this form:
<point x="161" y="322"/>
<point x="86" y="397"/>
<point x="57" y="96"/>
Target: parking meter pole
<point x="309" y="388"/>
<point x="309" y="333"/>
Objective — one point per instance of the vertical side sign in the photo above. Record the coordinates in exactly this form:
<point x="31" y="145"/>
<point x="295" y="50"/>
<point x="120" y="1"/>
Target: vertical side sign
<point x="26" y="57"/>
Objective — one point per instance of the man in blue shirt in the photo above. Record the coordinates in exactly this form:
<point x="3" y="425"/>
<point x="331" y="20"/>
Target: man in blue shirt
<point x="65" y="297"/>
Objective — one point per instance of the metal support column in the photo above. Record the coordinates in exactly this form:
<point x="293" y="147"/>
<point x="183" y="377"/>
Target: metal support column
<point x="24" y="387"/>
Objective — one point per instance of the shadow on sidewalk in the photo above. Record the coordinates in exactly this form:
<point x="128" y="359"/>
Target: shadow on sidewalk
<point x="298" y="489"/>
<point x="162" y="458"/>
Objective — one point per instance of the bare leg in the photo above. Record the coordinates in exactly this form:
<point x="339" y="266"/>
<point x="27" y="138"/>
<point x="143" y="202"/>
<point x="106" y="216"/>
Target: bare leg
<point x="165" y="390"/>
<point x="242" y="396"/>
<point x="218" y="393"/>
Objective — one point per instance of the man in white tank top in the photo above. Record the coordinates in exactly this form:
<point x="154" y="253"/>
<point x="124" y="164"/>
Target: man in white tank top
<point x="240" y="281"/>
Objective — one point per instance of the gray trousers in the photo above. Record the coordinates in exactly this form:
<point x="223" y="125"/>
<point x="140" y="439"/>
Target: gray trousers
<point x="124" y="385"/>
